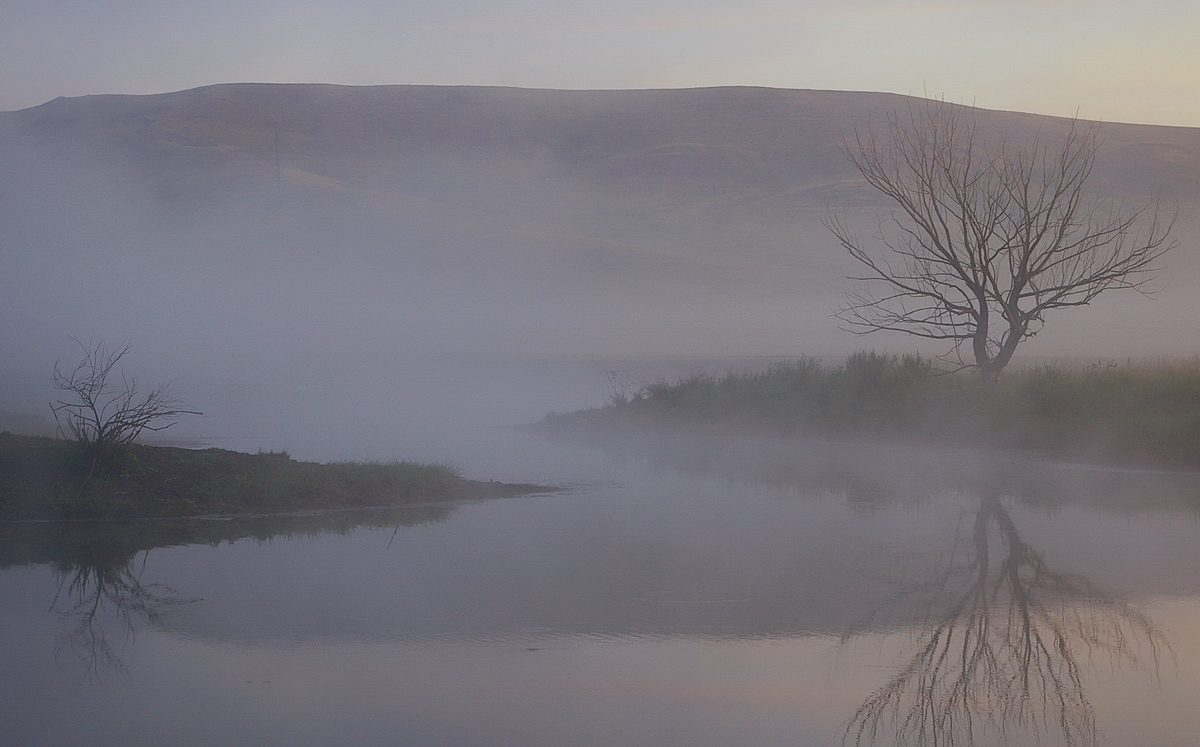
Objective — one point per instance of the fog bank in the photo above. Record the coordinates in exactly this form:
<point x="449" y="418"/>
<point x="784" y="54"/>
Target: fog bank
<point x="373" y="271"/>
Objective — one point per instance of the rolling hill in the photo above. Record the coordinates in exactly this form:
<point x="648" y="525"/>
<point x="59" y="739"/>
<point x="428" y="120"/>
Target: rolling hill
<point x="245" y="230"/>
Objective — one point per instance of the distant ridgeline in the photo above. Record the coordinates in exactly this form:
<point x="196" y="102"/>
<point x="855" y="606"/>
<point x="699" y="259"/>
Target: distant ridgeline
<point x="332" y="138"/>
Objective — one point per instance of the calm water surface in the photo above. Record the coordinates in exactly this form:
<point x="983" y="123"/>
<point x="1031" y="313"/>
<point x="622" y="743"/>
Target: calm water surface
<point x="710" y="592"/>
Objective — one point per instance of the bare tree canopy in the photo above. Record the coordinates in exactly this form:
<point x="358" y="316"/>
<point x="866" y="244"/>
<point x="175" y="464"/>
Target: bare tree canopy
<point x="986" y="238"/>
<point x="104" y="408"/>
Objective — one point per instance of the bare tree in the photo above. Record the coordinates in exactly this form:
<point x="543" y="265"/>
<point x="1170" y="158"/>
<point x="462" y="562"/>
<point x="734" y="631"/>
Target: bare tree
<point x="985" y="239"/>
<point x="105" y="410"/>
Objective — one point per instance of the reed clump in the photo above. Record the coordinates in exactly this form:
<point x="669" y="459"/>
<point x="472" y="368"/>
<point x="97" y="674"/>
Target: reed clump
<point x="1129" y="413"/>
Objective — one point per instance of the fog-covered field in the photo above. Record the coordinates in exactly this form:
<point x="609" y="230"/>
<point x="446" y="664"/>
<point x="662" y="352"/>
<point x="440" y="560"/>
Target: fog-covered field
<point x="385" y="271"/>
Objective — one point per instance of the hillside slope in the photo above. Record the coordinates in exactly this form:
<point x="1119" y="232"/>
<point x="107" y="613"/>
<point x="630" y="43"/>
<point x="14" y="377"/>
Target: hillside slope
<point x="250" y="233"/>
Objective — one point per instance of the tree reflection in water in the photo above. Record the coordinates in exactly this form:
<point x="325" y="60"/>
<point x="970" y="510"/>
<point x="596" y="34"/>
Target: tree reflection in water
<point x="1002" y="648"/>
<point x="103" y="599"/>
<point x="101" y="596"/>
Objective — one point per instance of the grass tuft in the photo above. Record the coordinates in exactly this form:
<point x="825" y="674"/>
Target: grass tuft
<point x="1143" y="414"/>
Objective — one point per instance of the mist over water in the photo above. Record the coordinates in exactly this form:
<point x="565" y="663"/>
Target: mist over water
<point x="366" y="272"/>
<point x="695" y="592"/>
<point x="303" y="323"/>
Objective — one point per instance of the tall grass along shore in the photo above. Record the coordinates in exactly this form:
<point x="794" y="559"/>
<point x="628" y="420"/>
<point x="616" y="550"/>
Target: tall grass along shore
<point x="1139" y="414"/>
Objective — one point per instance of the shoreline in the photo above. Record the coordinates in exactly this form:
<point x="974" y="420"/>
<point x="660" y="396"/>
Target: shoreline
<point x="45" y="479"/>
<point x="1139" y="417"/>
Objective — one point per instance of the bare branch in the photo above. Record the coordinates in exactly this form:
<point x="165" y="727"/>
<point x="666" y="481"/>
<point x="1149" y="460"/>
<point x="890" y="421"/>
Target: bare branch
<point x="986" y="238"/>
<point x="103" y="408"/>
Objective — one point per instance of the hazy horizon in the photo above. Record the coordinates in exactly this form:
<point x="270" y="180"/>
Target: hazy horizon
<point x="931" y="95"/>
<point x="924" y="94"/>
<point x="1117" y="63"/>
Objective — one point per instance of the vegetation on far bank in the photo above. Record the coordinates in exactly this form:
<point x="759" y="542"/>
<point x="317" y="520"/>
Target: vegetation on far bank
<point x="1130" y="414"/>
<point x="45" y="478"/>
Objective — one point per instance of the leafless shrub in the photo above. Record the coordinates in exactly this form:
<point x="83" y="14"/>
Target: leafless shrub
<point x="103" y="408"/>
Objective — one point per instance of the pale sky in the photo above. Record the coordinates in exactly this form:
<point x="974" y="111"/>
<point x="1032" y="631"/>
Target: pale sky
<point x="1107" y="60"/>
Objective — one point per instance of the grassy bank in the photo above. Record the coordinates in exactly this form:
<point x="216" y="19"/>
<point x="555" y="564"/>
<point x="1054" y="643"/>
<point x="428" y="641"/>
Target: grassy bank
<point x="1145" y="415"/>
<point x="43" y="478"/>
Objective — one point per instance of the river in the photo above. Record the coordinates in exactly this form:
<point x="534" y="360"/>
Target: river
<point x="708" y="590"/>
